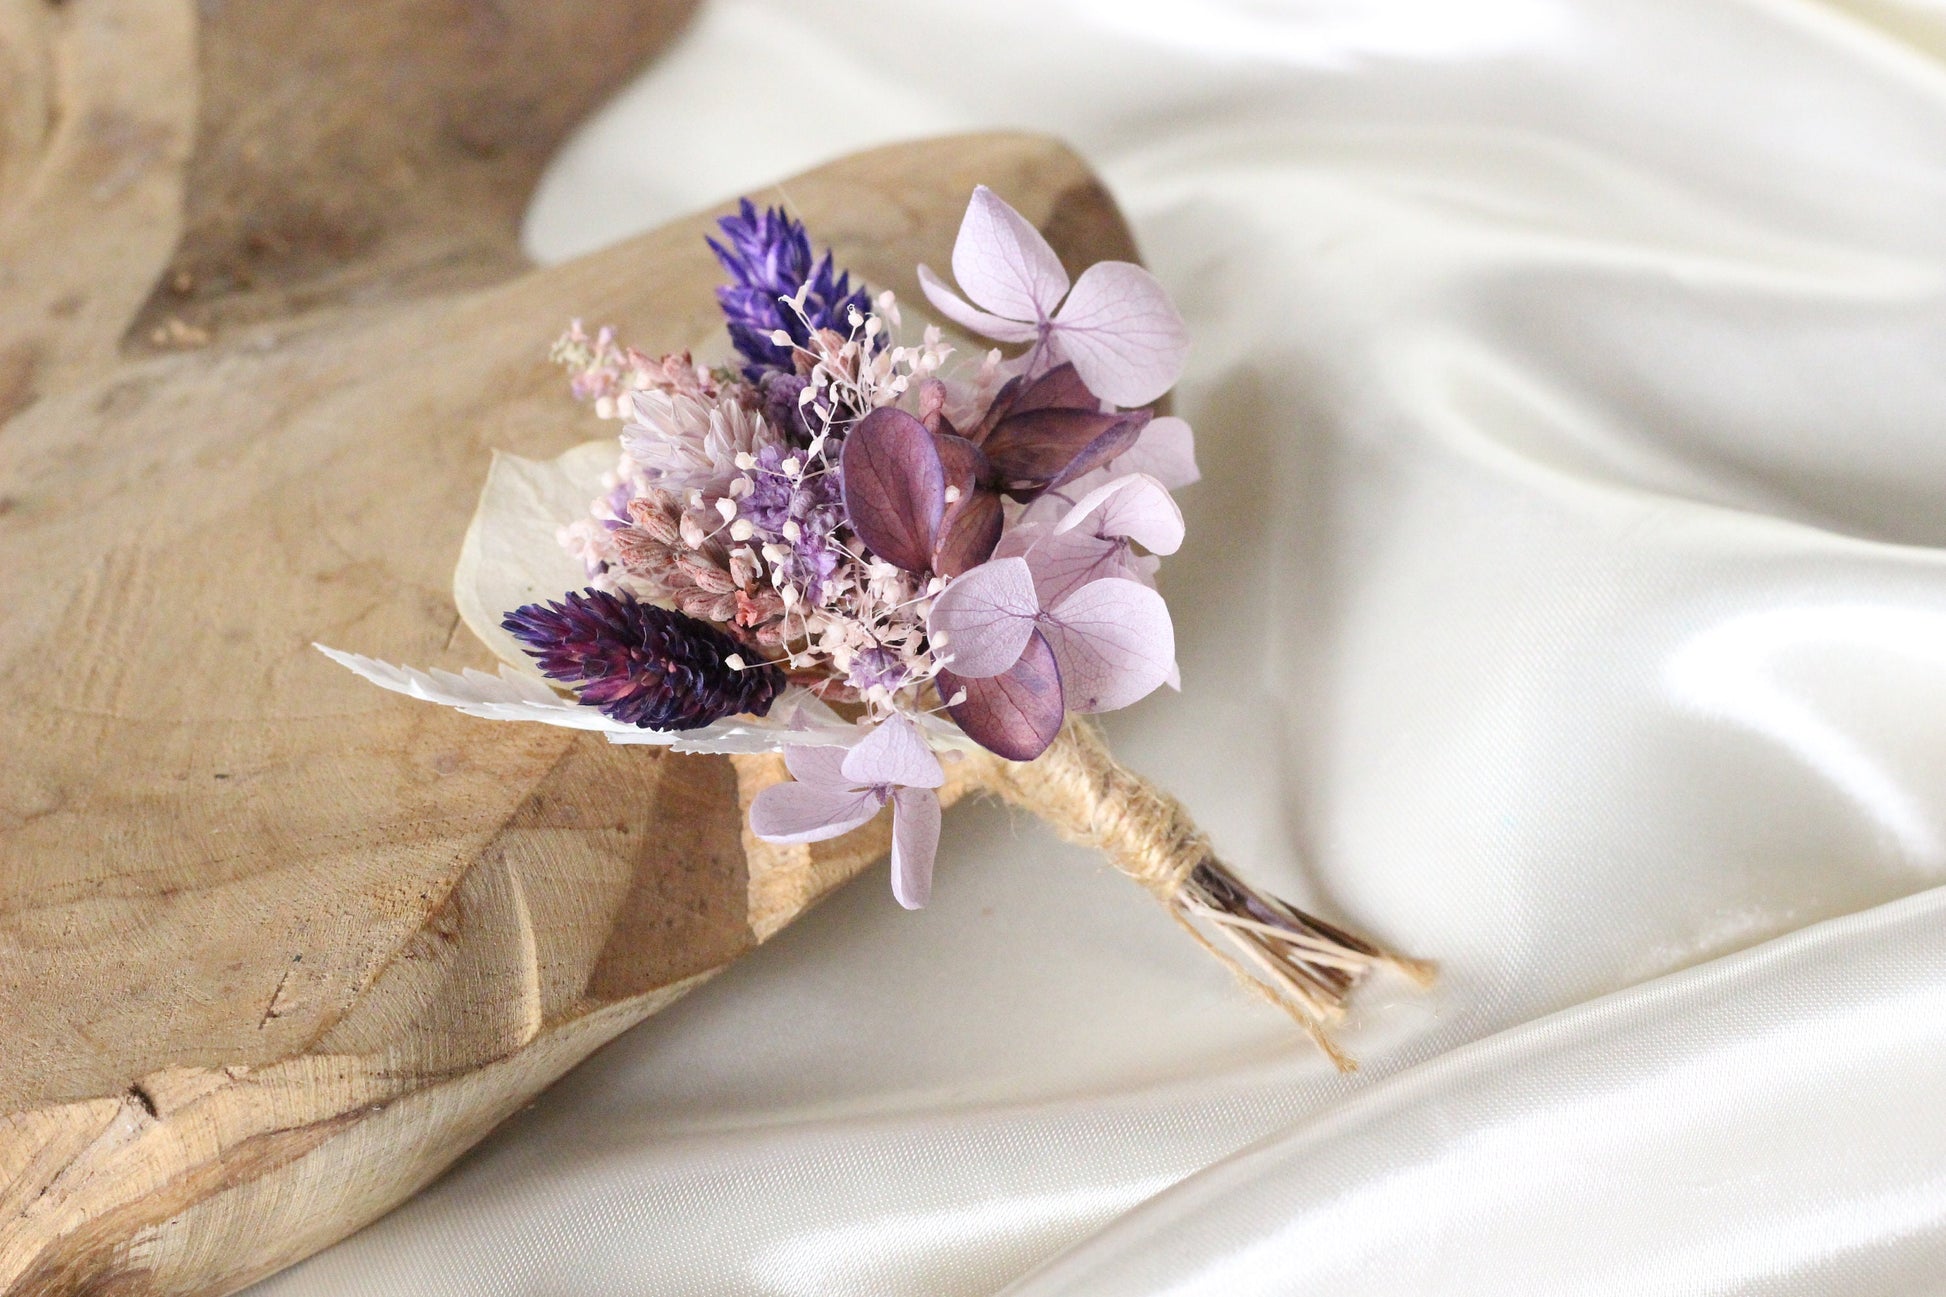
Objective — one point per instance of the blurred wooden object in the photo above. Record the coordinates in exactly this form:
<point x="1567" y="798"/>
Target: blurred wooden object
<point x="276" y="947"/>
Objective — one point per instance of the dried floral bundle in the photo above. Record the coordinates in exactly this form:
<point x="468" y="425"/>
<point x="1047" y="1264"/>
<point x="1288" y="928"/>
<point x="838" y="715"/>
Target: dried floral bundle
<point x="875" y="558"/>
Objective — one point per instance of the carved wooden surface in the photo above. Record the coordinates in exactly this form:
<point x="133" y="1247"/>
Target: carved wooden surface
<point x="275" y="946"/>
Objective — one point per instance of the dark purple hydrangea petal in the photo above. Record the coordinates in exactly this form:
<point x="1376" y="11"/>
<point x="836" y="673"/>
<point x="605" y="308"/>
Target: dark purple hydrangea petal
<point x="642" y="665"/>
<point x="894" y="487"/>
<point x="973" y="522"/>
<point x="1038" y="449"/>
<point x="1117" y="440"/>
<point x="1001" y="406"/>
<point x="768" y="256"/>
<point x="964" y="463"/>
<point x="1045" y="433"/>
<point x="969" y="534"/>
<point x="1015" y="714"/>
<point x="1060" y="388"/>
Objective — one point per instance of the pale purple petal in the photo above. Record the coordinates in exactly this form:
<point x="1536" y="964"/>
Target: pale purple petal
<point x="961" y="312"/>
<point x="1115" y="644"/>
<point x="1136" y="506"/>
<point x="1003" y="264"/>
<point x="1063" y="562"/>
<point x="1166" y="451"/>
<point x="894" y="753"/>
<point x="1048" y="508"/>
<point x="1122" y="333"/>
<point x="796" y="812"/>
<point x="1015" y="714"/>
<point x="915" y="841"/>
<point x="1021" y="537"/>
<point x="822" y="765"/>
<point x="894" y="487"/>
<point x="985" y="617"/>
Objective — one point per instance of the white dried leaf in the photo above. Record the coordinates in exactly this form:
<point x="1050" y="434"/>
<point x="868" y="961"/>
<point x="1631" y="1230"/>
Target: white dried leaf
<point x="509" y="696"/>
<point x="512" y="554"/>
<point x="797" y="718"/>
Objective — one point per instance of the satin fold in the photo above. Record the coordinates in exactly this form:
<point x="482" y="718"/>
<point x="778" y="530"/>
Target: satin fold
<point x="1729" y="1129"/>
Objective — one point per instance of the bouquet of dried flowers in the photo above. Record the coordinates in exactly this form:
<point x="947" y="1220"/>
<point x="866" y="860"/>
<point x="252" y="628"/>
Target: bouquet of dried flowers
<point x="874" y="558"/>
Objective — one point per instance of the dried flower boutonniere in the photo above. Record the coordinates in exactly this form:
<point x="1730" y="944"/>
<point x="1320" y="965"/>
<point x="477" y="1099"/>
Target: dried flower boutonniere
<point x="878" y="561"/>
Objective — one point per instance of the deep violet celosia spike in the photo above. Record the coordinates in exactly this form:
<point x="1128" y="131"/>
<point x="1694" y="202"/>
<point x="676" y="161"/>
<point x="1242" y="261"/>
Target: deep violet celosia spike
<point x="640" y="664"/>
<point x="768" y="256"/>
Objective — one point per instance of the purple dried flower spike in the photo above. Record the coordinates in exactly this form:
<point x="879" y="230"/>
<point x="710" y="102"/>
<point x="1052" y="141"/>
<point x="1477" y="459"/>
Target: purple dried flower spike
<point x="769" y="256"/>
<point x="640" y="664"/>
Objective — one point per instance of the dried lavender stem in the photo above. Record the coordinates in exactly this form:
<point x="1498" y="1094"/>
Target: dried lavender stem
<point x="1298" y="962"/>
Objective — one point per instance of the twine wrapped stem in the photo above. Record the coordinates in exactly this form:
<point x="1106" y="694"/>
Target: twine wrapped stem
<point x="1301" y="964"/>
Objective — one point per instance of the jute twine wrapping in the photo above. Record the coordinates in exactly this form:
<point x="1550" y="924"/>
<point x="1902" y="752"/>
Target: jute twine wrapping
<point x="1294" y="961"/>
<point x="1090" y="798"/>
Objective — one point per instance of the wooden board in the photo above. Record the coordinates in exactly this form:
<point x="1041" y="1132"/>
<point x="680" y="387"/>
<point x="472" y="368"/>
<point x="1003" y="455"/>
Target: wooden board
<point x="275" y="946"/>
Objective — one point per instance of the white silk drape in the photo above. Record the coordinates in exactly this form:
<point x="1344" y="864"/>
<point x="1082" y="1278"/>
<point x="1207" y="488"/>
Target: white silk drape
<point x="1564" y="602"/>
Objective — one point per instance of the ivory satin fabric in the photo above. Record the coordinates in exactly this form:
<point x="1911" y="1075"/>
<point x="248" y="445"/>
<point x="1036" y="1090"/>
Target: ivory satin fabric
<point x="1564" y="602"/>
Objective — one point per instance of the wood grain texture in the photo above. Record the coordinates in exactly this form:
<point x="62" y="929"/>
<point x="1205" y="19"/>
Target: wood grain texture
<point x="275" y="946"/>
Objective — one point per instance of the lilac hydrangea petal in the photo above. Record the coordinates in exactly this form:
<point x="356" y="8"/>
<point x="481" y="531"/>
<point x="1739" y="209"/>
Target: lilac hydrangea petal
<point x="982" y="619"/>
<point x="894" y="753"/>
<point x="1114" y="642"/>
<point x="966" y="315"/>
<point x="915" y="843"/>
<point x="894" y="487"/>
<point x="1122" y="332"/>
<point x="1134" y="505"/>
<point x="1015" y="714"/>
<point x="1003" y="264"/>
<point x="820" y="765"/>
<point x="1048" y="508"/>
<point x="795" y="812"/>
<point x="1024" y="534"/>
<point x="1056" y="446"/>
<point x="1063" y="562"/>
<point x="1166" y="451"/>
